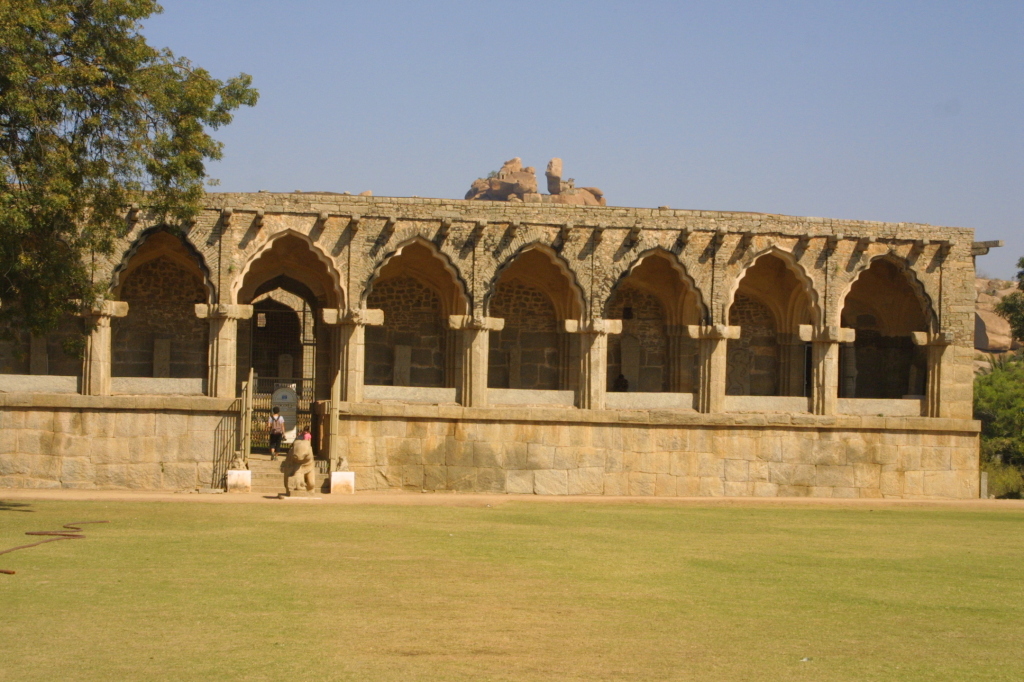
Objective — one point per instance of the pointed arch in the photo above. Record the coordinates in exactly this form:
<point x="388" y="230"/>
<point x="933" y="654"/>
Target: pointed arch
<point x="910" y="277"/>
<point x="885" y="303"/>
<point x="769" y="300"/>
<point x="161" y="277"/>
<point x="683" y="301"/>
<point x="294" y="255"/>
<point x="167" y="242"/>
<point x="455" y="298"/>
<point x="783" y="309"/>
<point x="571" y="305"/>
<point x="417" y="287"/>
<point x="655" y="298"/>
<point x="534" y="291"/>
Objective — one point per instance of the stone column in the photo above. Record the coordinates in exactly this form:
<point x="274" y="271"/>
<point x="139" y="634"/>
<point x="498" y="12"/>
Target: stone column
<point x="677" y="367"/>
<point x="221" y="373"/>
<point x="936" y="344"/>
<point x="593" y="359"/>
<point x="713" y="347"/>
<point x="97" y="362"/>
<point x="791" y="364"/>
<point x="825" y="364"/>
<point x="475" y="335"/>
<point x="350" y="366"/>
<point x="849" y="378"/>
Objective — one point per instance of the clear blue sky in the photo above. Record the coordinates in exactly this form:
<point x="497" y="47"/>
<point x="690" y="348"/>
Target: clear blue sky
<point x="900" y="111"/>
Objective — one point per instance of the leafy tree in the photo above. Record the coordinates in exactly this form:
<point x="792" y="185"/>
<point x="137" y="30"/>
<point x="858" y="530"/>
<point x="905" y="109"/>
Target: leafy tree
<point x="92" y="119"/>
<point x="999" y="404"/>
<point x="1012" y="306"/>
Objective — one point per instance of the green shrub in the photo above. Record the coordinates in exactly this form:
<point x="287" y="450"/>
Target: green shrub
<point x="1004" y="481"/>
<point x="999" y="404"/>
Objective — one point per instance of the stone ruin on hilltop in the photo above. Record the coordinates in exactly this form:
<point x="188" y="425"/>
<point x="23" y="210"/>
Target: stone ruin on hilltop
<point x="516" y="183"/>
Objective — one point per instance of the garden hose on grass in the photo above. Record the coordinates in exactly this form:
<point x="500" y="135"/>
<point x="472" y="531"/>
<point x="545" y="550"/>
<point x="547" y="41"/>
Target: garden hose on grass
<point x="73" y="532"/>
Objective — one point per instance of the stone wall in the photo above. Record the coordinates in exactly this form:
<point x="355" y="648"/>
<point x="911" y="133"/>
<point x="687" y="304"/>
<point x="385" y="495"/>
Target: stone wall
<point x="412" y="318"/>
<point x="659" y="453"/>
<point x="527" y="352"/>
<point x="113" y="442"/>
<point x="753" y="367"/>
<point x="161" y="297"/>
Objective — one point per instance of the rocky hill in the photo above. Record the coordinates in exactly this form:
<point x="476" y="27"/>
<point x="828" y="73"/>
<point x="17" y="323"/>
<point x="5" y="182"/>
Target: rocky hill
<point x="991" y="332"/>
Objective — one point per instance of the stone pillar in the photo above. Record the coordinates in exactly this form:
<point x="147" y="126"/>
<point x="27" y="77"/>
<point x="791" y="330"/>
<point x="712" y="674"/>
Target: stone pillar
<point x="935" y="391"/>
<point x="791" y="364"/>
<point x="593" y="359"/>
<point x="825" y="364"/>
<point x="677" y="367"/>
<point x="96" y="365"/>
<point x="714" y="353"/>
<point x="849" y="379"/>
<point x="475" y="346"/>
<point x="221" y="373"/>
<point x="350" y="366"/>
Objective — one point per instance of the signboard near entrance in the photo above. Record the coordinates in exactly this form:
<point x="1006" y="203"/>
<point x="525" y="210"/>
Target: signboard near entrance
<point x="286" y="400"/>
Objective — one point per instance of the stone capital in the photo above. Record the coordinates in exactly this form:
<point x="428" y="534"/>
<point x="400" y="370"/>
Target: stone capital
<point x="712" y="331"/>
<point x="106" y="309"/>
<point x="229" y="311"/>
<point x="828" y="334"/>
<point x="373" y="317"/>
<point x="593" y="326"/>
<point x="932" y="338"/>
<point x="491" y="324"/>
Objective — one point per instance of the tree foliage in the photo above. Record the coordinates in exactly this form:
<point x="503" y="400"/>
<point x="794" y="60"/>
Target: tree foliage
<point x="1012" y="306"/>
<point x="92" y="119"/>
<point x="999" y="404"/>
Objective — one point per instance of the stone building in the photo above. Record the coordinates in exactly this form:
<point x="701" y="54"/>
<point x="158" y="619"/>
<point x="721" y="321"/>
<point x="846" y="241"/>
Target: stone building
<point x="524" y="345"/>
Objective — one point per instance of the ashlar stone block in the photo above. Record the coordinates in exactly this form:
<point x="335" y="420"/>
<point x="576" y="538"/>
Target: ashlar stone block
<point x="551" y="482"/>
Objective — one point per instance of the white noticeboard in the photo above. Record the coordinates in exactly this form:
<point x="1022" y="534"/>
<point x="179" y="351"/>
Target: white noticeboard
<point x="286" y="400"/>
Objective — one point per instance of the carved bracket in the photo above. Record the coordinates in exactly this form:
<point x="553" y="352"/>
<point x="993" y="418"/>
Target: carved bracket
<point x="828" y="334"/>
<point x="491" y="324"/>
<point x="372" y="317"/>
<point x="206" y="311"/>
<point x="106" y="309"/>
<point x="932" y="338"/>
<point x="712" y="331"/>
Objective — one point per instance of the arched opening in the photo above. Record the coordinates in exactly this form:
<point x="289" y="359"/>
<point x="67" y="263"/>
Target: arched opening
<point x="655" y="301"/>
<point x="417" y="289"/>
<point x="286" y="343"/>
<point x="161" y="336"/>
<point x="769" y="305"/>
<point x="883" y="361"/>
<point x="533" y="294"/>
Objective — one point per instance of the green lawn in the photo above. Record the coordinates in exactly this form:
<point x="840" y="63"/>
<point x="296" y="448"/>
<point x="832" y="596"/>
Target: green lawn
<point x="518" y="591"/>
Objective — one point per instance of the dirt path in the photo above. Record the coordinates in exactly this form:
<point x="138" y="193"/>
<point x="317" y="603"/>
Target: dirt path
<point x="493" y="499"/>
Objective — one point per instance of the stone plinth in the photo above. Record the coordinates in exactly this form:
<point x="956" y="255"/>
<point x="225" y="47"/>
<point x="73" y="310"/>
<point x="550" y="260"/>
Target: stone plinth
<point x="239" y="481"/>
<point x="343" y="482"/>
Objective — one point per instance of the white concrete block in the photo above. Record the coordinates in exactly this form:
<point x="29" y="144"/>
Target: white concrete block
<point x="343" y="482"/>
<point x="239" y="481"/>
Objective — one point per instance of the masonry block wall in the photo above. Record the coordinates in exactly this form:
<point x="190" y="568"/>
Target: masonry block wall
<point x="413" y="320"/>
<point x="547" y="452"/>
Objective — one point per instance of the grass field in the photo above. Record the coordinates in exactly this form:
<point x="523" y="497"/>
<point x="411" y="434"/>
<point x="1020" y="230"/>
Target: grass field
<point x="514" y="591"/>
